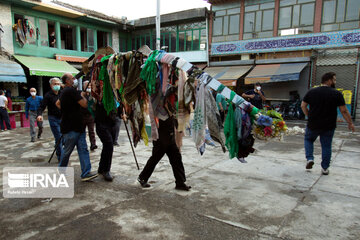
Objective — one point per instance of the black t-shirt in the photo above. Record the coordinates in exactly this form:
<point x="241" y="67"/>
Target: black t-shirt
<point x="49" y="101"/>
<point x="71" y="116"/>
<point x="256" y="101"/>
<point x="323" y="102"/>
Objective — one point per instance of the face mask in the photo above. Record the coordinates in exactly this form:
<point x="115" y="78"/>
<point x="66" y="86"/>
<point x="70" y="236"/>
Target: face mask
<point x="258" y="88"/>
<point x="76" y="83"/>
<point x="56" y="88"/>
<point x="88" y="90"/>
<point x="33" y="93"/>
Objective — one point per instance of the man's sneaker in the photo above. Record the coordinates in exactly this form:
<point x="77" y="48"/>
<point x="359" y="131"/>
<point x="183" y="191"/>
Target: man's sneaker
<point x="39" y="136"/>
<point x="309" y="164"/>
<point x="107" y="176"/>
<point x="325" y="171"/>
<point x="89" y="176"/>
<point x="32" y="139"/>
<point x="143" y="183"/>
<point x="93" y="147"/>
<point x="183" y="187"/>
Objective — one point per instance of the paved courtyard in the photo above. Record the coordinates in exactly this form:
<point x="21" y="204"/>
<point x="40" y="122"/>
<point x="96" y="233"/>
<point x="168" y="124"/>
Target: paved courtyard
<point x="270" y="197"/>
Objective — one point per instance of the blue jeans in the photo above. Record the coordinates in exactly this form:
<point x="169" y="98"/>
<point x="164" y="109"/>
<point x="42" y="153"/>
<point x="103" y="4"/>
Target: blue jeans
<point x="55" y="129"/>
<point x="72" y="139"/>
<point x="326" y="137"/>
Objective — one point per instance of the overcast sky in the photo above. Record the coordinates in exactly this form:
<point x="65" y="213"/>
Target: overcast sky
<point x="134" y="9"/>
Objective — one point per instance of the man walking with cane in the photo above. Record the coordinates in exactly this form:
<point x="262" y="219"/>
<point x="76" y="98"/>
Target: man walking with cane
<point x="54" y="114"/>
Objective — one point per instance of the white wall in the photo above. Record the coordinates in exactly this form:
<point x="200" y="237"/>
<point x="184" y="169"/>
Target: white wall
<point x="6" y="22"/>
<point x="115" y="40"/>
<point x="281" y="89"/>
<point x="192" y="56"/>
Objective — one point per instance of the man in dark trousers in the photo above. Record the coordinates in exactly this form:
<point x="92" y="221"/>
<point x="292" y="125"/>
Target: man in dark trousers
<point x="72" y="126"/>
<point x="256" y="96"/>
<point x="165" y="145"/>
<point x="323" y="102"/>
<point x="88" y="119"/>
<point x="54" y="114"/>
<point x="106" y="130"/>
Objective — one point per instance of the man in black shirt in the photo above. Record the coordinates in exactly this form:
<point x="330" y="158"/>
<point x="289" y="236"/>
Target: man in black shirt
<point x="322" y="113"/>
<point x="256" y="96"/>
<point x="72" y="126"/>
<point x="165" y="145"/>
<point x="54" y="113"/>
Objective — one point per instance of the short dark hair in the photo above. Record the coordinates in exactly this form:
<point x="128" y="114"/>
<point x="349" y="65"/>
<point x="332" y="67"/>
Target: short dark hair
<point x="327" y="76"/>
<point x="64" y="78"/>
<point x="1" y="92"/>
<point x="258" y="84"/>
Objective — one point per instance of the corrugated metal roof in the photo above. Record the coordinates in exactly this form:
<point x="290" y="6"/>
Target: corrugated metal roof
<point x="11" y="72"/>
<point x="275" y="73"/>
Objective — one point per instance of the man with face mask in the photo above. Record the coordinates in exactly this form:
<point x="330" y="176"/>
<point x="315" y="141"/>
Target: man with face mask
<point x="70" y="102"/>
<point x="54" y="114"/>
<point x="31" y="107"/>
<point x="323" y="102"/>
<point x="256" y="96"/>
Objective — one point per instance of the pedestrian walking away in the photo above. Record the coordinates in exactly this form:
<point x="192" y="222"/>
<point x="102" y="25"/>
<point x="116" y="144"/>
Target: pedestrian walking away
<point x="323" y="102"/>
<point x="31" y="112"/>
<point x="72" y="127"/>
<point x="165" y="145"/>
<point x="4" y="116"/>
<point x="54" y="113"/>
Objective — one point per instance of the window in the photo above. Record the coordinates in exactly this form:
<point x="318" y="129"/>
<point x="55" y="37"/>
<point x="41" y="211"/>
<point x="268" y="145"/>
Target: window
<point x="91" y="40"/>
<point x="122" y="44"/>
<point x="340" y="15"/>
<point x="102" y="39"/>
<point x="258" y="19"/>
<point x="296" y="17"/>
<point x="84" y="39"/>
<point x="44" y="36"/>
<point x="68" y="37"/>
<point x="181" y="41"/>
<point x="203" y="39"/>
<point x="227" y="22"/>
<point x="52" y="34"/>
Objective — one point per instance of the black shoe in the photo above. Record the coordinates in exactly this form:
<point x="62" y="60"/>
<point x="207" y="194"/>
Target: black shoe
<point x="309" y="164"/>
<point x="32" y="139"/>
<point x="93" y="147"/>
<point x="89" y="176"/>
<point x="39" y="136"/>
<point x="107" y="176"/>
<point x="116" y="144"/>
<point x="143" y="183"/>
<point x="325" y="171"/>
<point x="183" y="187"/>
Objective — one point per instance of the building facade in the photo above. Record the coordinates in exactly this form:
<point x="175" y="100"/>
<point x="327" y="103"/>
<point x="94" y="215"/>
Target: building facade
<point x="287" y="45"/>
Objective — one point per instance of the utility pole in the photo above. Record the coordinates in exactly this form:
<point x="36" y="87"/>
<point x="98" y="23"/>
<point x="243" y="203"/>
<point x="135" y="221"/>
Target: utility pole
<point x="158" y="25"/>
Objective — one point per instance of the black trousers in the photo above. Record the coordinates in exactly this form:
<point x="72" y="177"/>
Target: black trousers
<point x="106" y="134"/>
<point x="160" y="148"/>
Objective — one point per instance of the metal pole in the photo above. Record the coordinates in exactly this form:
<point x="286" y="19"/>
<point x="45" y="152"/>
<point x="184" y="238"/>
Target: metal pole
<point x="158" y="25"/>
<point x="132" y="148"/>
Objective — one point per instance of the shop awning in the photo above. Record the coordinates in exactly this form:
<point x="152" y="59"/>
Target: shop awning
<point x="11" y="72"/>
<point x="275" y="73"/>
<point x="46" y="67"/>
<point x="227" y="75"/>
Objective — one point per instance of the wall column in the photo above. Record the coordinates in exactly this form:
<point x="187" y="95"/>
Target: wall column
<point x="242" y="17"/>
<point x="78" y="39"/>
<point x="95" y="41"/>
<point x="40" y="86"/>
<point x="318" y="12"/>
<point x="276" y="18"/>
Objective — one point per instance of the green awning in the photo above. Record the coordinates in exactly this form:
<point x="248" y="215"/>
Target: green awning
<point x="45" y="66"/>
